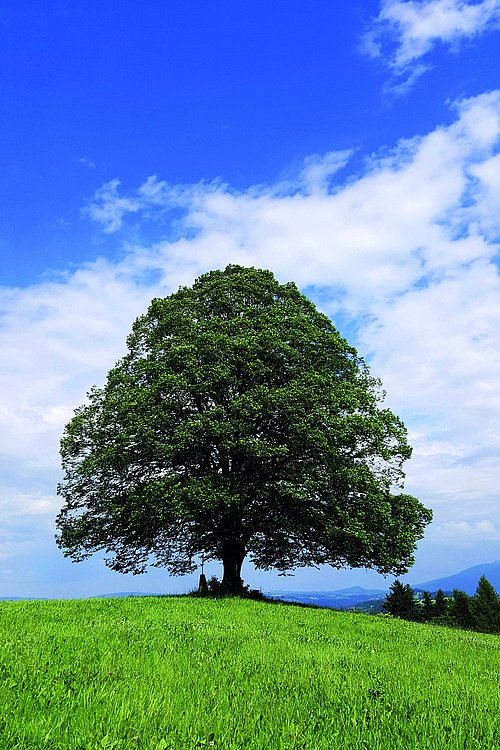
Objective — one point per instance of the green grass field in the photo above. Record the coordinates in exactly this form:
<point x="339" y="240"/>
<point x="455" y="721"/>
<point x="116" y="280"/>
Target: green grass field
<point x="180" y="673"/>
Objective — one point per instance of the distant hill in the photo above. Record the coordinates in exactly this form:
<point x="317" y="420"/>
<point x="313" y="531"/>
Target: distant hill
<point x="466" y="580"/>
<point x="354" y="597"/>
<point x="357" y="597"/>
<point x="351" y="591"/>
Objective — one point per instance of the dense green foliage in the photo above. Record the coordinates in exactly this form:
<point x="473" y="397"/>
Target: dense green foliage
<point x="239" y="423"/>
<point x="180" y="673"/>
<point x="480" y="612"/>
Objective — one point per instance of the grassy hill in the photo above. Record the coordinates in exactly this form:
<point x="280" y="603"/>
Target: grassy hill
<point x="179" y="674"/>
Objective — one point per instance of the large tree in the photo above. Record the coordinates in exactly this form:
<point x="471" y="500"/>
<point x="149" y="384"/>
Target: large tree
<point x="239" y="423"/>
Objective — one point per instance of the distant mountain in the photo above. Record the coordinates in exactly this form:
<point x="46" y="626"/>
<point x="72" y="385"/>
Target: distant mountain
<point x="354" y="597"/>
<point x="357" y="597"/>
<point x="359" y="590"/>
<point x="466" y="580"/>
<point x="339" y="593"/>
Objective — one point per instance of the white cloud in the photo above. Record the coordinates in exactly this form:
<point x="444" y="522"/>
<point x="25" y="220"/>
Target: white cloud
<point x="405" y="255"/>
<point x="152" y="198"/>
<point x="406" y="31"/>
<point x="109" y="209"/>
<point x="26" y="516"/>
<point x="14" y="503"/>
<point x="318" y="169"/>
<point x="86" y="162"/>
<point x="463" y="531"/>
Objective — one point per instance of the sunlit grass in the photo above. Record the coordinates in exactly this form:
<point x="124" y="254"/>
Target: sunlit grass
<point x="180" y="673"/>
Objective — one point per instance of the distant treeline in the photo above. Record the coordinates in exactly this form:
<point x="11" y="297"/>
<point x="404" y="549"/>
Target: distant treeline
<point x="480" y="612"/>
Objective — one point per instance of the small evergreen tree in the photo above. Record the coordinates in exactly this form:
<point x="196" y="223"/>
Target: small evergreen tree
<point x="427" y="607"/>
<point x="461" y="609"/>
<point x="485" y="608"/>
<point x="400" y="602"/>
<point x="440" y="604"/>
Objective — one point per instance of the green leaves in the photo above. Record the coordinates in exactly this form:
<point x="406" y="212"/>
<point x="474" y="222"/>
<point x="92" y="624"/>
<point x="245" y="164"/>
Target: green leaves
<point x="239" y="417"/>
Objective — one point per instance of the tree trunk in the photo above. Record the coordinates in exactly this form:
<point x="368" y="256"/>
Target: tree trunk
<point x="233" y="555"/>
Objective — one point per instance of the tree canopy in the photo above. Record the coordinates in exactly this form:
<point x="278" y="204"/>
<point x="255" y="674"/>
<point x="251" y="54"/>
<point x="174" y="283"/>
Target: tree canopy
<point x="238" y="423"/>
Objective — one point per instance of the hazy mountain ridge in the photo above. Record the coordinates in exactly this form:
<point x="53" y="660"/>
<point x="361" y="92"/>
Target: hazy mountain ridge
<point x="466" y="580"/>
<point x="358" y="597"/>
<point x="353" y="596"/>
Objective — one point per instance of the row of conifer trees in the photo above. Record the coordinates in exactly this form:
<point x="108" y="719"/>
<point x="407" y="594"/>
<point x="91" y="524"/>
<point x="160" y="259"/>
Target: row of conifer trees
<point x="479" y="612"/>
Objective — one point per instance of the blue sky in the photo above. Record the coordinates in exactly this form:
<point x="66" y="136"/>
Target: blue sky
<point x="351" y="147"/>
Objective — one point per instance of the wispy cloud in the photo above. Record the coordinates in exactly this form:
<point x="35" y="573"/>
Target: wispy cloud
<point x="153" y="198"/>
<point x="405" y="32"/>
<point x="465" y="532"/>
<point x="404" y="256"/>
<point x="85" y="162"/>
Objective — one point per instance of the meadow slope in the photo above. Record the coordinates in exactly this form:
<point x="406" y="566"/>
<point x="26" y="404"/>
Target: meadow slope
<point x="173" y="673"/>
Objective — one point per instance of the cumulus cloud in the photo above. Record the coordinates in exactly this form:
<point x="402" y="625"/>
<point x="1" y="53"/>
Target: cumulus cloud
<point x="404" y="32"/>
<point x="320" y="168"/>
<point x="462" y="531"/>
<point x="403" y="256"/>
<point x="153" y="198"/>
